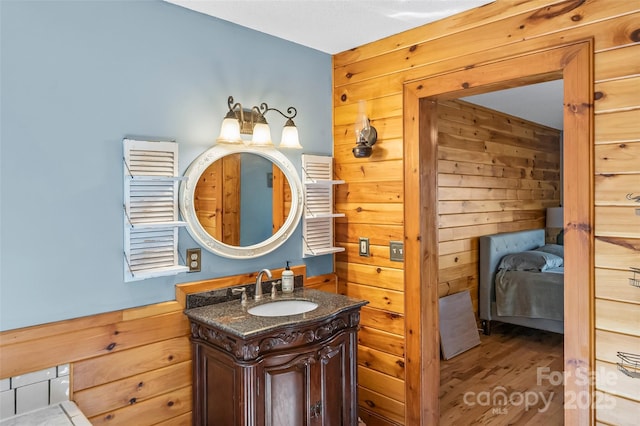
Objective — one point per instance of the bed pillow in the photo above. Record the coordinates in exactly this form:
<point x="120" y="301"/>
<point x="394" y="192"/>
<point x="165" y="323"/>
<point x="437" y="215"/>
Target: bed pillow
<point x="556" y="249"/>
<point x="531" y="260"/>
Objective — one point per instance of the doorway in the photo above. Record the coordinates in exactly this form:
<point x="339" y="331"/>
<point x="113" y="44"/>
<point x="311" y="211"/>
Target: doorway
<point x="499" y="170"/>
<point x="573" y="64"/>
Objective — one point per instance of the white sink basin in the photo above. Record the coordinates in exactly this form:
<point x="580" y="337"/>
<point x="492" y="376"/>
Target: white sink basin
<point x="281" y="308"/>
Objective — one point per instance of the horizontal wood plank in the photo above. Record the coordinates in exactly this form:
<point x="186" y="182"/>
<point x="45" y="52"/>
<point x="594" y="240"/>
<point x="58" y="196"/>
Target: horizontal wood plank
<point x="381" y="383"/>
<point x="381" y="341"/>
<point x="386" y="149"/>
<point x="134" y="389"/>
<point x="374" y="213"/>
<point x="459" y="258"/>
<point x="617" y="126"/>
<point x="617" y="190"/>
<point x="617" y="221"/>
<point x="608" y="344"/>
<point x="374" y="276"/>
<point x="378" y="234"/>
<point x="464" y="232"/>
<point x="613" y="382"/>
<point x="373" y="419"/>
<point x="382" y="171"/>
<point x="390" y="322"/>
<point x="385" y="299"/>
<point x="618" y="317"/>
<point x="96" y="341"/>
<point x="614" y="410"/>
<point x="617" y="95"/>
<point x="615" y="63"/>
<point x="325" y="282"/>
<point x="614" y="158"/>
<point x="457" y="246"/>
<point x="491" y="13"/>
<point x="106" y="369"/>
<point x="616" y="252"/>
<point x="357" y="192"/>
<point x="381" y="404"/>
<point x="382" y="362"/>
<point x="149" y="412"/>
<point x="378" y="255"/>
<point x="615" y="285"/>
<point x="179" y="420"/>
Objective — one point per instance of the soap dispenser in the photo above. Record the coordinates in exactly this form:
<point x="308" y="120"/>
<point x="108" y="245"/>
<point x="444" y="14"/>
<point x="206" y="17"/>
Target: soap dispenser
<point x="287" y="280"/>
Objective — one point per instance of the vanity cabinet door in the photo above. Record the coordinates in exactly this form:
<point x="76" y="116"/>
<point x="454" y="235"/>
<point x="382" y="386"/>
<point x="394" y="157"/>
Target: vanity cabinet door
<point x="287" y="388"/>
<point x="224" y="393"/>
<point x="312" y="388"/>
<point x="335" y="378"/>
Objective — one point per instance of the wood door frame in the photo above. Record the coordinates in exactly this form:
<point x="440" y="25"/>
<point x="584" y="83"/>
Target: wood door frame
<point x="573" y="62"/>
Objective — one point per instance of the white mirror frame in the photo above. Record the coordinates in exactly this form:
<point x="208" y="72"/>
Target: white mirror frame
<point x="195" y="229"/>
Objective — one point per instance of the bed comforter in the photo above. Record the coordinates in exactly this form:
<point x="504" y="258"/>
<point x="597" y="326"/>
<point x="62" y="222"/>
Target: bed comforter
<point x="530" y="294"/>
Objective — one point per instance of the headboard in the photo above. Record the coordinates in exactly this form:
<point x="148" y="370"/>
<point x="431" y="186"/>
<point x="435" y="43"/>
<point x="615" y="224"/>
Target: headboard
<point x="492" y="249"/>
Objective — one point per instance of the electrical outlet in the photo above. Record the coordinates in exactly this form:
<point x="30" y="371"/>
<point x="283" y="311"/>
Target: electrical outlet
<point x="194" y="259"/>
<point x="363" y="249"/>
<point x="396" y="251"/>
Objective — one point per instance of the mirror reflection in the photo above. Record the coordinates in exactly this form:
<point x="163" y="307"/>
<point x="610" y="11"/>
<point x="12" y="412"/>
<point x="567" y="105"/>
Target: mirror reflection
<point x="242" y="199"/>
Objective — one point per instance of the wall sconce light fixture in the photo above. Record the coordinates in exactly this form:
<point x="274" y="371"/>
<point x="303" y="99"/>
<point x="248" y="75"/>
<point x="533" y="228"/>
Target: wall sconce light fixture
<point x="366" y="134"/>
<point x="241" y="120"/>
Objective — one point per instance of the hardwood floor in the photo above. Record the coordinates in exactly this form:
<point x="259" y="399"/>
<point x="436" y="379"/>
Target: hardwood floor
<point x="514" y="377"/>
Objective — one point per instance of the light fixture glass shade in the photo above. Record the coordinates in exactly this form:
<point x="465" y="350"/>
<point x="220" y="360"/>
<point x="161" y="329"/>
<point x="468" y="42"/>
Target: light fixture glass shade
<point x="261" y="135"/>
<point x="362" y="121"/>
<point x="555" y="217"/>
<point x="290" y="136"/>
<point x="230" y="131"/>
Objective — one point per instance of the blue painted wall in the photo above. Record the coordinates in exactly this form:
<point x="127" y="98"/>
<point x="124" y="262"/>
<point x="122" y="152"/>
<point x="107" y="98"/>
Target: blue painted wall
<point x="77" y="77"/>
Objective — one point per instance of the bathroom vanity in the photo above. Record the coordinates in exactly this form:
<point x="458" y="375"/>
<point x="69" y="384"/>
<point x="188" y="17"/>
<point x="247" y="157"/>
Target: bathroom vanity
<point x="284" y="370"/>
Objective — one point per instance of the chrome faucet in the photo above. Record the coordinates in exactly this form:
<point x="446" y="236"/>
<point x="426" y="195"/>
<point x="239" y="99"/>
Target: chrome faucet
<point x="258" y="294"/>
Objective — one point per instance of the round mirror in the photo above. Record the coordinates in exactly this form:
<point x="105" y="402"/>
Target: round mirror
<point x="241" y="202"/>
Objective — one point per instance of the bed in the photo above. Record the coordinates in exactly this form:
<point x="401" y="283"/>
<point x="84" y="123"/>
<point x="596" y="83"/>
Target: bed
<point x="521" y="281"/>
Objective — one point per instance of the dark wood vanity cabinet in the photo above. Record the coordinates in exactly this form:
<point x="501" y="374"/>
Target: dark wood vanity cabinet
<point x="292" y="376"/>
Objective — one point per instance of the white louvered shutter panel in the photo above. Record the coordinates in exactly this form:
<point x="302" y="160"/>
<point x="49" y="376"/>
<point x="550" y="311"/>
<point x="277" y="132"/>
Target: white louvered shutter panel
<point x="317" y="228"/>
<point x="151" y="209"/>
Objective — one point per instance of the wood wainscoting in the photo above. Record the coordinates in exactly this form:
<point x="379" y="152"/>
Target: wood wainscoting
<point x="127" y="367"/>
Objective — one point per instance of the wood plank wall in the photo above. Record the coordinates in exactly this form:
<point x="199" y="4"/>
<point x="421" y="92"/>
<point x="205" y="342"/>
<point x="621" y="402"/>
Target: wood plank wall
<point x="617" y="231"/>
<point x="217" y="203"/>
<point x="496" y="173"/>
<point x="373" y="196"/>
<point x="129" y="367"/>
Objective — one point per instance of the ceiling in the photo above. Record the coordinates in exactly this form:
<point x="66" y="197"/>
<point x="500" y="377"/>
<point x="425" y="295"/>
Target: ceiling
<point x="333" y="26"/>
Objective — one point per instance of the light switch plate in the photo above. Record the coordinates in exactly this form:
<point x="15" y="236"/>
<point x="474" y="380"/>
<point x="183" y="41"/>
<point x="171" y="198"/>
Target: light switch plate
<point x="363" y="247"/>
<point x="396" y="251"/>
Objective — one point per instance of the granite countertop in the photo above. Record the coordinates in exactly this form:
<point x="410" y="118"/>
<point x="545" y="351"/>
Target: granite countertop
<point x="233" y="317"/>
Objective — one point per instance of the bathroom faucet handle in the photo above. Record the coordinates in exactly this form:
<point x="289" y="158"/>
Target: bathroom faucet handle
<point x="243" y="290"/>
<point x="274" y="290"/>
